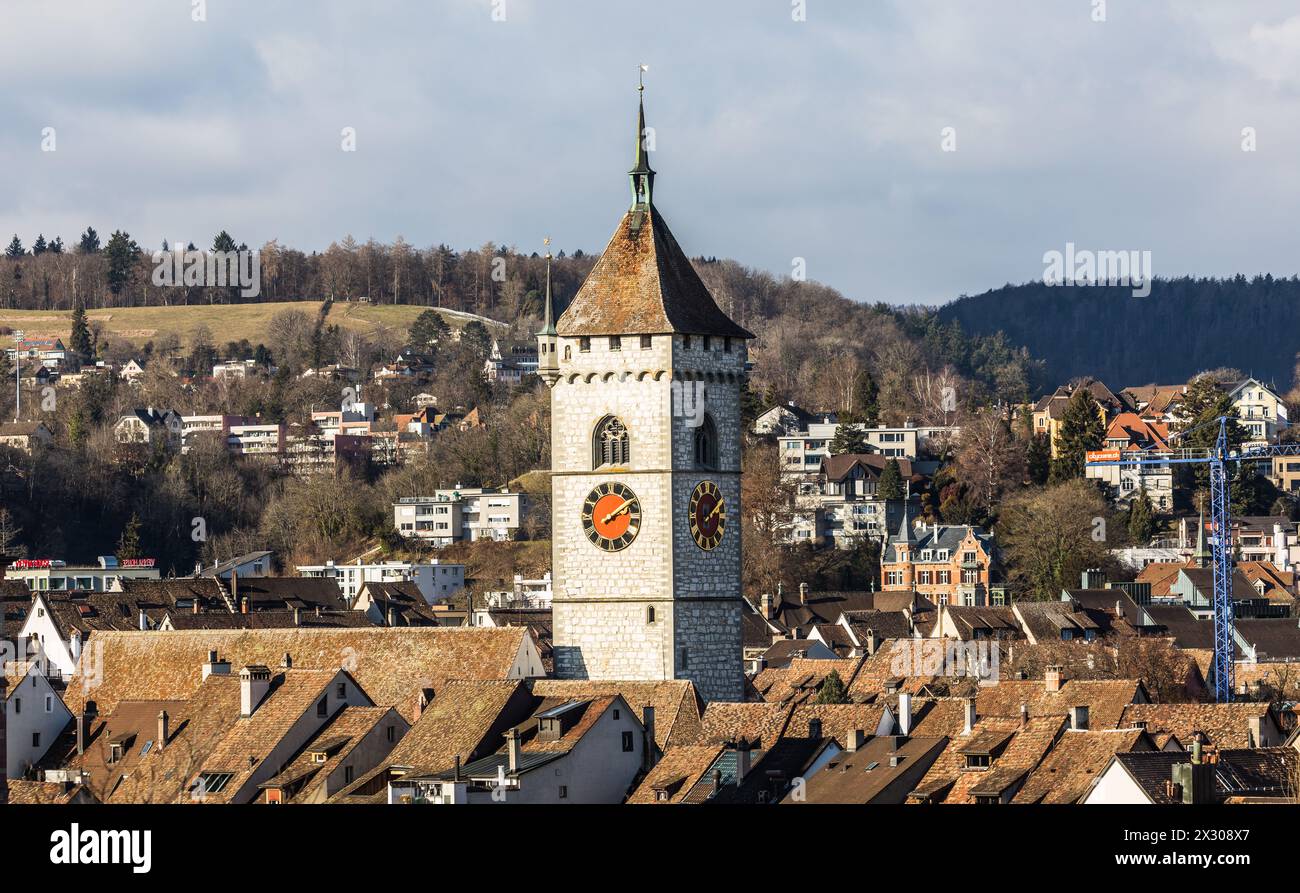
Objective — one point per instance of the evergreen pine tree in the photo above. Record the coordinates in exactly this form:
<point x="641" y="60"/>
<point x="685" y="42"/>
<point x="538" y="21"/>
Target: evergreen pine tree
<point x="80" y="341"/>
<point x="866" y="399"/>
<point x="428" y="329"/>
<point x="1141" y="519"/>
<point x="89" y="242"/>
<point x="849" y="438"/>
<point x="891" y="481"/>
<point x="129" y="544"/>
<point x="1081" y="430"/>
<point x="122" y="253"/>
<point x="832" y="690"/>
<point x="15" y="249"/>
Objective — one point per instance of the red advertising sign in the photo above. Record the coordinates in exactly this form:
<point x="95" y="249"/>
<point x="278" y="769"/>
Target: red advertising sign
<point x="1102" y="455"/>
<point x="136" y="562"/>
<point x="27" y="564"/>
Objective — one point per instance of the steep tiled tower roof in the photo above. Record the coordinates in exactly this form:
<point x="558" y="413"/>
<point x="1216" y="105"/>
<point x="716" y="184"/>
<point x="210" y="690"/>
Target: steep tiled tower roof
<point x="643" y="283"/>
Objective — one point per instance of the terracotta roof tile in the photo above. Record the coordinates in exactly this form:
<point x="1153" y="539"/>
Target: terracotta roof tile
<point x="677" y="706"/>
<point x="1224" y="725"/>
<point x="644" y="284"/>
<point x="392" y="665"/>
<point x="1075" y="762"/>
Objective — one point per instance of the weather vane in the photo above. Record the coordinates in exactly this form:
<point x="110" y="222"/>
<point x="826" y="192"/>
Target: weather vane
<point x="641" y="77"/>
<point x="547" y="243"/>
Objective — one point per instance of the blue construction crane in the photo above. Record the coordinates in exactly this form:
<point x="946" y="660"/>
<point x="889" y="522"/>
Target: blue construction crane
<point x="1220" y="537"/>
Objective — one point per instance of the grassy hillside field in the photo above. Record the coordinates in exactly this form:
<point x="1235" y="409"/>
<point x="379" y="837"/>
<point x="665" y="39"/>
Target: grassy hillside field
<point x="226" y="322"/>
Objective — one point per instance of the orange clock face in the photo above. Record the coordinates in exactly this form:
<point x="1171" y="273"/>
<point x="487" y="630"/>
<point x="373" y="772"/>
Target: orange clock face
<point x="611" y="516"/>
<point x="708" y="515"/>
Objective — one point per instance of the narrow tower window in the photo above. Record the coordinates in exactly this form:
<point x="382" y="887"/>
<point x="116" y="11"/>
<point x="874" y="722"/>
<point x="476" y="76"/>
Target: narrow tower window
<point x="611" y="445"/>
<point x="706" y="443"/>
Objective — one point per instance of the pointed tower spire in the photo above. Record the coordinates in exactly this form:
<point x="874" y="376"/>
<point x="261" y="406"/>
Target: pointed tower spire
<point x="548" y="309"/>
<point x="1202" y="554"/>
<point x="905" y="533"/>
<point x="642" y="175"/>
<point x="548" y="359"/>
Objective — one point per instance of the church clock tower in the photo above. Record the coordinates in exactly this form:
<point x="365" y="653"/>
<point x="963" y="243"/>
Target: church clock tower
<point x="646" y="374"/>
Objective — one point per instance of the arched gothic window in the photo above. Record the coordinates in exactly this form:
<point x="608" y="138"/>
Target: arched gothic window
<point x="706" y="443"/>
<point x="611" y="444"/>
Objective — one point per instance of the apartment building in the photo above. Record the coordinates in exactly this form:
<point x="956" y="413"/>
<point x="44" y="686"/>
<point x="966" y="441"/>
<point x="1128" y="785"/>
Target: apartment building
<point x="196" y="425"/>
<point x="436" y="580"/>
<point x="458" y="514"/>
<point x="46" y="574"/>
<point x="802" y="452"/>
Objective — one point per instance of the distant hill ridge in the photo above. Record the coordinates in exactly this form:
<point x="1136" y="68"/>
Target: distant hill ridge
<point x="1185" y="326"/>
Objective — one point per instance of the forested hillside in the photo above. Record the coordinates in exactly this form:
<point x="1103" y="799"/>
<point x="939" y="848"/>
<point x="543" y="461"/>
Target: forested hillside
<point x="815" y="346"/>
<point x="1185" y="326"/>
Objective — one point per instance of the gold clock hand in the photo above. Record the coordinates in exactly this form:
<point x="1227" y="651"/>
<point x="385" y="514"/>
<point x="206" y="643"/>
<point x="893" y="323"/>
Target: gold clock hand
<point x="617" y="511"/>
<point x="717" y="508"/>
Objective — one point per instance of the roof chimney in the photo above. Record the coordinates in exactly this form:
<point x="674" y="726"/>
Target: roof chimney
<point x="742" y="761"/>
<point x="1053" y="679"/>
<point x="162" y="730"/>
<point x="214" y="667"/>
<point x="904" y="714"/>
<point x="254" y="685"/>
<point x="142" y="620"/>
<point x="648" y="722"/>
<point x="512" y="749"/>
<point x="1024" y="715"/>
<point x="286" y="662"/>
<point x="854" y="740"/>
<point x="968" y="716"/>
<point x="768" y="610"/>
<point x="82" y="722"/>
<point x="803" y="593"/>
<point x="815" y="727"/>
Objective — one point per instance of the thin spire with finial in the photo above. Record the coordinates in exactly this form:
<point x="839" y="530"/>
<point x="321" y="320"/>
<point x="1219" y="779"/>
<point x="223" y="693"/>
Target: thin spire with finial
<point x="643" y="176"/>
<point x="548" y="323"/>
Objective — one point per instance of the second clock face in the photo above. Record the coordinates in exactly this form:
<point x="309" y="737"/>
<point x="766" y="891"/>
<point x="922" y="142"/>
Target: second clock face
<point x="611" y="516"/>
<point x="708" y="515"/>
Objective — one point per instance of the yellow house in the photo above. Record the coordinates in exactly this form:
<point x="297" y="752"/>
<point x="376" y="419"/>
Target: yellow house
<point x="1049" y="411"/>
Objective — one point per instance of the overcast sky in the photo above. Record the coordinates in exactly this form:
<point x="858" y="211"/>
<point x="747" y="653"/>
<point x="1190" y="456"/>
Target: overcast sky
<point x="775" y="139"/>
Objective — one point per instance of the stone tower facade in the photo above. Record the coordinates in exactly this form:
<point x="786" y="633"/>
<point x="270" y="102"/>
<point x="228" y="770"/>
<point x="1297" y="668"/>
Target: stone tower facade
<point x="646" y="375"/>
